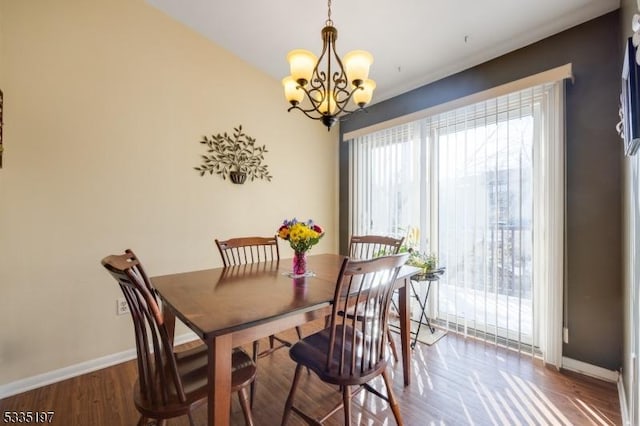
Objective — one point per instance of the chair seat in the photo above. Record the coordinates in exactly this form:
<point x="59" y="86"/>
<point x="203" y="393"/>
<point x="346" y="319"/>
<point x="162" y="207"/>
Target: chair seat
<point x="192" y="367"/>
<point x="312" y="352"/>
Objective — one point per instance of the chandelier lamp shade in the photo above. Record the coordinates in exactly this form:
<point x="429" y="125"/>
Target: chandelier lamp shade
<point x="327" y="82"/>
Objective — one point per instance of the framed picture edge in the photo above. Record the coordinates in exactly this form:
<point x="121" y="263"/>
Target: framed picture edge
<point x="630" y="100"/>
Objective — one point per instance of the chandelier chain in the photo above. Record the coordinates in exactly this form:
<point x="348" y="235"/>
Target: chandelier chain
<point x="329" y="21"/>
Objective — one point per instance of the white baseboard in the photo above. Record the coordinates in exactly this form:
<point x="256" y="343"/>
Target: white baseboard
<point x="624" y="410"/>
<point x="590" y="370"/>
<point x="85" y="367"/>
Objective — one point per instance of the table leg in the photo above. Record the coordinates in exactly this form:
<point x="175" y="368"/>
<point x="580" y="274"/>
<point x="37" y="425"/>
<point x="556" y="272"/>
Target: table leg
<point x="170" y="323"/>
<point x="405" y="330"/>
<point x="219" y="368"/>
<point x="423" y="314"/>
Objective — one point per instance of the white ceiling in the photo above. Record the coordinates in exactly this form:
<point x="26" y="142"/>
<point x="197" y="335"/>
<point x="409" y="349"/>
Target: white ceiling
<point x="414" y="42"/>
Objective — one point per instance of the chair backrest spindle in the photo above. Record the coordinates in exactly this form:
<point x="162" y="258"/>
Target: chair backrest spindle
<point x="372" y="246"/>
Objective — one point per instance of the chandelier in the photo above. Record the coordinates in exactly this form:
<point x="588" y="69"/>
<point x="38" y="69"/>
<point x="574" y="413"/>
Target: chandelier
<point x="328" y="82"/>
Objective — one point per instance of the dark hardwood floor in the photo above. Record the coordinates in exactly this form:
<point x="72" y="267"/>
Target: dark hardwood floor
<point x="455" y="382"/>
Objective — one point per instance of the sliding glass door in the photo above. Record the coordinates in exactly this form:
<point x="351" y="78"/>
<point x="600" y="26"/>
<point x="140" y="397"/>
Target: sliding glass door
<point x="484" y="226"/>
<point x="483" y="188"/>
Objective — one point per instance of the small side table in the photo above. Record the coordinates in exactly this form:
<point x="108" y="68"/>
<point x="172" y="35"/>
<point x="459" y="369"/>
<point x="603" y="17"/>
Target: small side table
<point x="428" y="277"/>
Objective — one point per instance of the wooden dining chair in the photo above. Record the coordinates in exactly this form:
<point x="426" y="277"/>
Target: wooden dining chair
<point x="170" y="384"/>
<point x="246" y="250"/>
<point x="351" y="352"/>
<point x="249" y="250"/>
<point x="369" y="247"/>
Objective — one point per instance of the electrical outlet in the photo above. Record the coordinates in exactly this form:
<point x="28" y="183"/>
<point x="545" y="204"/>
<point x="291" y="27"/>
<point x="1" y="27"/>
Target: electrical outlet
<point x="122" y="307"/>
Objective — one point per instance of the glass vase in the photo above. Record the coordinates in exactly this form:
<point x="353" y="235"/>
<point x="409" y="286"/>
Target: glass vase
<point x="299" y="263"/>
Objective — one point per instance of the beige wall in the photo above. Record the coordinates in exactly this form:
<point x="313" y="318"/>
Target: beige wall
<point x="105" y="103"/>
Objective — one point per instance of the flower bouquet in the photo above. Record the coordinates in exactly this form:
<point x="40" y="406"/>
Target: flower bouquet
<point x="301" y="236"/>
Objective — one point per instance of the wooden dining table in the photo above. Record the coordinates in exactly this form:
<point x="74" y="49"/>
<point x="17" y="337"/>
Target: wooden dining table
<point x="235" y="305"/>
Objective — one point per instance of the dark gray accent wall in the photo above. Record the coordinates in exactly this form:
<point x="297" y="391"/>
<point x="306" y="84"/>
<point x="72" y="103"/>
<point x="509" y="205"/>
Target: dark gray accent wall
<point x="594" y="283"/>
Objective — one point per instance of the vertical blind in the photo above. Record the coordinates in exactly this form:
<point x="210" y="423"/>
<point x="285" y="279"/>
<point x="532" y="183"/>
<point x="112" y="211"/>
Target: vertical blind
<point x="484" y="184"/>
<point x="383" y="187"/>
